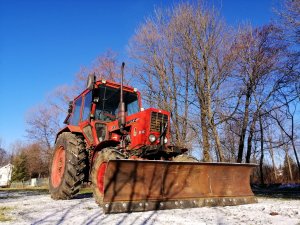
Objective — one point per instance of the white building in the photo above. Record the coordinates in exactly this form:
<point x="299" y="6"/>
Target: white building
<point x="5" y="175"/>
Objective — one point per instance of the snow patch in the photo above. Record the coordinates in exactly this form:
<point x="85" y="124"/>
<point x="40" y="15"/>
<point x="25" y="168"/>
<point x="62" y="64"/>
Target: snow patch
<point x="41" y="209"/>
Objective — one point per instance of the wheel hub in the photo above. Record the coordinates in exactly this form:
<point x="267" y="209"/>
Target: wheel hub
<point x="58" y="166"/>
<point x="100" y="177"/>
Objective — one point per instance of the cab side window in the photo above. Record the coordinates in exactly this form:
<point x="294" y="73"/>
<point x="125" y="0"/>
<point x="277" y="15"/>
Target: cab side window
<point x="76" y="114"/>
<point x="87" y="106"/>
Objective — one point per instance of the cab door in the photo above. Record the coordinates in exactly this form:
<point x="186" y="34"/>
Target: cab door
<point x="85" y="121"/>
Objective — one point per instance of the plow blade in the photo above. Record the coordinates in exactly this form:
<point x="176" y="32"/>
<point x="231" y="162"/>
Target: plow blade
<point x="142" y="185"/>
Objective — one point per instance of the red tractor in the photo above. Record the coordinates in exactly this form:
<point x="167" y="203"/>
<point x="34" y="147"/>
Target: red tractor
<point x="126" y="153"/>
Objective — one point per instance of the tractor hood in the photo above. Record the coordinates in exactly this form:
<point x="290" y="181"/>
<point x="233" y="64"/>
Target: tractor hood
<point x="140" y="126"/>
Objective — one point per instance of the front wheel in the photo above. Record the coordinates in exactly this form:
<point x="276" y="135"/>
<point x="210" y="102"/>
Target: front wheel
<point x="68" y="166"/>
<point x="98" y="171"/>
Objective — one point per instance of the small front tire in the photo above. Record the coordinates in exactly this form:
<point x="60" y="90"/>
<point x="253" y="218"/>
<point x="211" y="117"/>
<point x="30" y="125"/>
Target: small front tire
<point x="98" y="171"/>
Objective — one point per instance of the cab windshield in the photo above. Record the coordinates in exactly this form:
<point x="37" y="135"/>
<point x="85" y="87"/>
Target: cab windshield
<point x="109" y="98"/>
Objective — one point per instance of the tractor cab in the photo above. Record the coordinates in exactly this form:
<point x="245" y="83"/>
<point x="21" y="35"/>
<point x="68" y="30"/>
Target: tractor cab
<point x="107" y="98"/>
<point x="97" y="108"/>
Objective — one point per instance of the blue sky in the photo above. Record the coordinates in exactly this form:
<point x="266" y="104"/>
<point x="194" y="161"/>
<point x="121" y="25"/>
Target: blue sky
<point x="44" y="43"/>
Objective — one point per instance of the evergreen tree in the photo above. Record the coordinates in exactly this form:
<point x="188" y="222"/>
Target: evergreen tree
<point x="20" y="171"/>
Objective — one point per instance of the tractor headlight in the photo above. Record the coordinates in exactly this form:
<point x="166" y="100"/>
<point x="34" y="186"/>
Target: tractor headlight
<point x="152" y="138"/>
<point x="166" y="140"/>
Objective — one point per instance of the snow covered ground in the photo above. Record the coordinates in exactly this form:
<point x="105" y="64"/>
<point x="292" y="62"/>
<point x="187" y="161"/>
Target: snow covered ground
<point x="29" y="208"/>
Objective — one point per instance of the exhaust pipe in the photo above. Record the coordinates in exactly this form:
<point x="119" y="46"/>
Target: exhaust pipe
<point x="121" y="111"/>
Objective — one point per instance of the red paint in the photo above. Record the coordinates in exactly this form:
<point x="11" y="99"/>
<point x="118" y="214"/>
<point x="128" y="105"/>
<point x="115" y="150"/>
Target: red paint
<point x="142" y="126"/>
<point x="138" y="124"/>
<point x="100" y="177"/>
<point x="70" y="128"/>
<point x="58" y="166"/>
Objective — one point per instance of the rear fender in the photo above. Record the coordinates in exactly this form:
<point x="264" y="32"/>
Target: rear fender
<point x="69" y="128"/>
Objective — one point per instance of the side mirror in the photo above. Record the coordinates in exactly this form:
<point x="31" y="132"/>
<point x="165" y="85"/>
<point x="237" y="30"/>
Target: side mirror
<point x="90" y="81"/>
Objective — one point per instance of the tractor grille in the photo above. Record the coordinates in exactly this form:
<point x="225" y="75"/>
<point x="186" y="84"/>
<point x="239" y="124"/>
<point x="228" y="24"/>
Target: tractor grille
<point x="156" y="120"/>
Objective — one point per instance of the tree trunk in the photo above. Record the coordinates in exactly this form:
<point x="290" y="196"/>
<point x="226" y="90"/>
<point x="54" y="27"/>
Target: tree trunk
<point x="272" y="157"/>
<point x="261" y="150"/>
<point x="205" y="136"/>
<point x="203" y="120"/>
<point x="219" y="149"/>
<point x="186" y="105"/>
<point x="296" y="155"/>
<point x="249" y="141"/>
<point x="207" y="96"/>
<point x="244" y="128"/>
<point x="218" y="143"/>
<point x="288" y="162"/>
<point x="294" y="146"/>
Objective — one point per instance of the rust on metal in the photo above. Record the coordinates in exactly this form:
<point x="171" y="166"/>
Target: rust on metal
<point x="141" y="185"/>
<point x="141" y="206"/>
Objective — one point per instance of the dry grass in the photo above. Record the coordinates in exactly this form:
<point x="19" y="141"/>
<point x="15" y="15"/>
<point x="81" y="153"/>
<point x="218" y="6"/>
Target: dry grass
<point x="3" y="214"/>
<point x="86" y="190"/>
<point x="25" y="189"/>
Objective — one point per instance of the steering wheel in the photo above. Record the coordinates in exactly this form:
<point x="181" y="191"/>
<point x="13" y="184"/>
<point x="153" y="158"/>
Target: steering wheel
<point x="109" y="115"/>
<point x="105" y="115"/>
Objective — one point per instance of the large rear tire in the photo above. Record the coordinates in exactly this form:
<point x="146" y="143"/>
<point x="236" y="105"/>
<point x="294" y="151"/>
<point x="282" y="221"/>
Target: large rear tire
<point x="68" y="166"/>
<point x="98" y="171"/>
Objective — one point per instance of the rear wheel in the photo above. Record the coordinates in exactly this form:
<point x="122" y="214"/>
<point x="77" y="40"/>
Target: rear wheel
<point x="68" y="166"/>
<point x="99" y="169"/>
<point x="184" y="158"/>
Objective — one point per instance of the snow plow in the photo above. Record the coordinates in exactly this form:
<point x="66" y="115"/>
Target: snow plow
<point x="134" y="185"/>
<point x="125" y="152"/>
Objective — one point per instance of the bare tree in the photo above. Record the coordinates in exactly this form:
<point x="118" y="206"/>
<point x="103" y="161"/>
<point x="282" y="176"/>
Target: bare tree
<point x="4" y="156"/>
<point x="260" y="60"/>
<point x="288" y="115"/>
<point x="43" y="123"/>
<point x="105" y="66"/>
<point x="184" y="58"/>
<point x="163" y="73"/>
<point x="29" y="160"/>
<point x="289" y="19"/>
<point x="271" y="151"/>
<point x="37" y="161"/>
